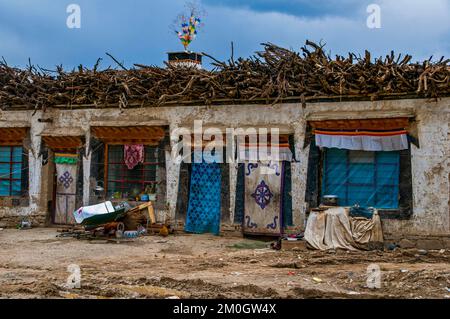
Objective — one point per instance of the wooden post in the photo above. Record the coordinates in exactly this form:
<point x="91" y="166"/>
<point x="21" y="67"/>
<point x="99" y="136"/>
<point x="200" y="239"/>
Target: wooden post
<point x="105" y="173"/>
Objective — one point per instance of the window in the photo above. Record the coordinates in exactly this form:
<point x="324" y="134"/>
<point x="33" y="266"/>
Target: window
<point x="370" y="179"/>
<point x="10" y="170"/>
<point x="122" y="180"/>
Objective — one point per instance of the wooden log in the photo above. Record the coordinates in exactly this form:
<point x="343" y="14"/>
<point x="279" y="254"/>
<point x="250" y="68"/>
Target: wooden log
<point x="271" y="75"/>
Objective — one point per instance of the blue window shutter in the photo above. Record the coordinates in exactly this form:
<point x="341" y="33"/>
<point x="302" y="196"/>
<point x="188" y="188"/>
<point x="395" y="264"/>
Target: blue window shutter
<point x="363" y="178"/>
<point x="11" y="163"/>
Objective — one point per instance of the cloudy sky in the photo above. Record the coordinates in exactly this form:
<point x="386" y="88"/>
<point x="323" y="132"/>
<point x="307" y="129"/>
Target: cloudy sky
<point x="137" y="31"/>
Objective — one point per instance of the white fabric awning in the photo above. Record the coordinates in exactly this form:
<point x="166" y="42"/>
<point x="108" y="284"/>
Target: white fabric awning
<point x="363" y="141"/>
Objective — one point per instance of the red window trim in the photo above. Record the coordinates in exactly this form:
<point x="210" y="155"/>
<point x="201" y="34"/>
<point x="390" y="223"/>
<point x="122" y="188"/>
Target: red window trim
<point x="123" y="182"/>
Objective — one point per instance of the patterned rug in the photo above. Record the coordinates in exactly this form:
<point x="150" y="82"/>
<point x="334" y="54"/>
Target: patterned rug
<point x="263" y="204"/>
<point x="203" y="215"/>
<point x="66" y="187"/>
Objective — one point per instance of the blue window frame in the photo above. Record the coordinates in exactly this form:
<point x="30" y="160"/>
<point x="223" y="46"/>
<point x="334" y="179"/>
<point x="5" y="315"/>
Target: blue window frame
<point x="369" y="179"/>
<point x="10" y="170"/>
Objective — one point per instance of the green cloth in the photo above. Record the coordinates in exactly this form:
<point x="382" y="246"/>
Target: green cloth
<point x="66" y="160"/>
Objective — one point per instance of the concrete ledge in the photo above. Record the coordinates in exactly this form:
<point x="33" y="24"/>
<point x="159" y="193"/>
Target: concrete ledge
<point x="422" y="242"/>
<point x="12" y="221"/>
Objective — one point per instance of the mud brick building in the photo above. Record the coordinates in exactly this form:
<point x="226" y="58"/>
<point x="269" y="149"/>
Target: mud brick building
<point x="70" y="129"/>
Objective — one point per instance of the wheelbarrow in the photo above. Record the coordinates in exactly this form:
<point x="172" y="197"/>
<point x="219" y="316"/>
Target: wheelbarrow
<point x="104" y="219"/>
<point x="101" y="215"/>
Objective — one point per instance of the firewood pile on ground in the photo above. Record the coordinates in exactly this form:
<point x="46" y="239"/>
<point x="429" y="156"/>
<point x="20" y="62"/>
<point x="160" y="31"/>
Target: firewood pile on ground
<point x="273" y="75"/>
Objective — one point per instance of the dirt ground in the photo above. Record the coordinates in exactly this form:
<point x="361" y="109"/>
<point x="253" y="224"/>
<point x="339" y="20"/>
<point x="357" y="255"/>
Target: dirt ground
<point x="33" y="264"/>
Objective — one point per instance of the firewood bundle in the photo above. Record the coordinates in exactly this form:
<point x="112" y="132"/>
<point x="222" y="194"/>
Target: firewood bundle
<point x="270" y="76"/>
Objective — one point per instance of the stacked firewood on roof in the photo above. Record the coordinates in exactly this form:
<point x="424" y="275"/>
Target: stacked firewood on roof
<point x="270" y="76"/>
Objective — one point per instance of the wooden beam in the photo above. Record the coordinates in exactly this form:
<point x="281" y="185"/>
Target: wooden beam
<point x="347" y="115"/>
<point x="362" y="124"/>
<point x="149" y="142"/>
<point x="148" y="135"/>
<point x="63" y="142"/>
<point x="12" y="135"/>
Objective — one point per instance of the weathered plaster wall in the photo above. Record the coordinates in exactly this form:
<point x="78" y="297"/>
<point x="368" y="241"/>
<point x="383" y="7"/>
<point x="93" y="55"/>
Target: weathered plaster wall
<point x="430" y="162"/>
<point x="11" y="215"/>
<point x="430" y="170"/>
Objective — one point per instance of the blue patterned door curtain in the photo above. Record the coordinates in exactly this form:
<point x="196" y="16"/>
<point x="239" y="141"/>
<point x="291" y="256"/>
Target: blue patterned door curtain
<point x="203" y="215"/>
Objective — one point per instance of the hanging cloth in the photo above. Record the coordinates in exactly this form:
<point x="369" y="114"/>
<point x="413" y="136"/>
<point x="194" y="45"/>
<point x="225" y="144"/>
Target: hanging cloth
<point x="133" y="155"/>
<point x="66" y="187"/>
<point x="203" y="215"/>
<point x="363" y="140"/>
<point x="263" y="200"/>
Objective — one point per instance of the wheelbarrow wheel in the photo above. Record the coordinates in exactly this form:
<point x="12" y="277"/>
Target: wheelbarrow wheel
<point x="120" y="226"/>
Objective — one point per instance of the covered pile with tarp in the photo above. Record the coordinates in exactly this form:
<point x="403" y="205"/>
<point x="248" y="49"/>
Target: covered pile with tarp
<point x="344" y="228"/>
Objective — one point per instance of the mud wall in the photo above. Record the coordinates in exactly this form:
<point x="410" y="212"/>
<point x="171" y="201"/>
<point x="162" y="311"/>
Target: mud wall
<point x="430" y="162"/>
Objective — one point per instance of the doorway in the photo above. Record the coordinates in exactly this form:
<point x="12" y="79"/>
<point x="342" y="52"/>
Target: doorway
<point x="64" y="184"/>
<point x="65" y="192"/>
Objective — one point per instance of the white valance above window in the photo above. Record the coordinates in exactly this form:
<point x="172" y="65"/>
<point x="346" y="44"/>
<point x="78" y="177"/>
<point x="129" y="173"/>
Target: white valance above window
<point x="363" y="141"/>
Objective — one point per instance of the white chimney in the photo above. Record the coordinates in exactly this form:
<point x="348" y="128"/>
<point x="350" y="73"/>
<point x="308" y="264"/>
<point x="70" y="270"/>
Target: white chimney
<point x="185" y="59"/>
